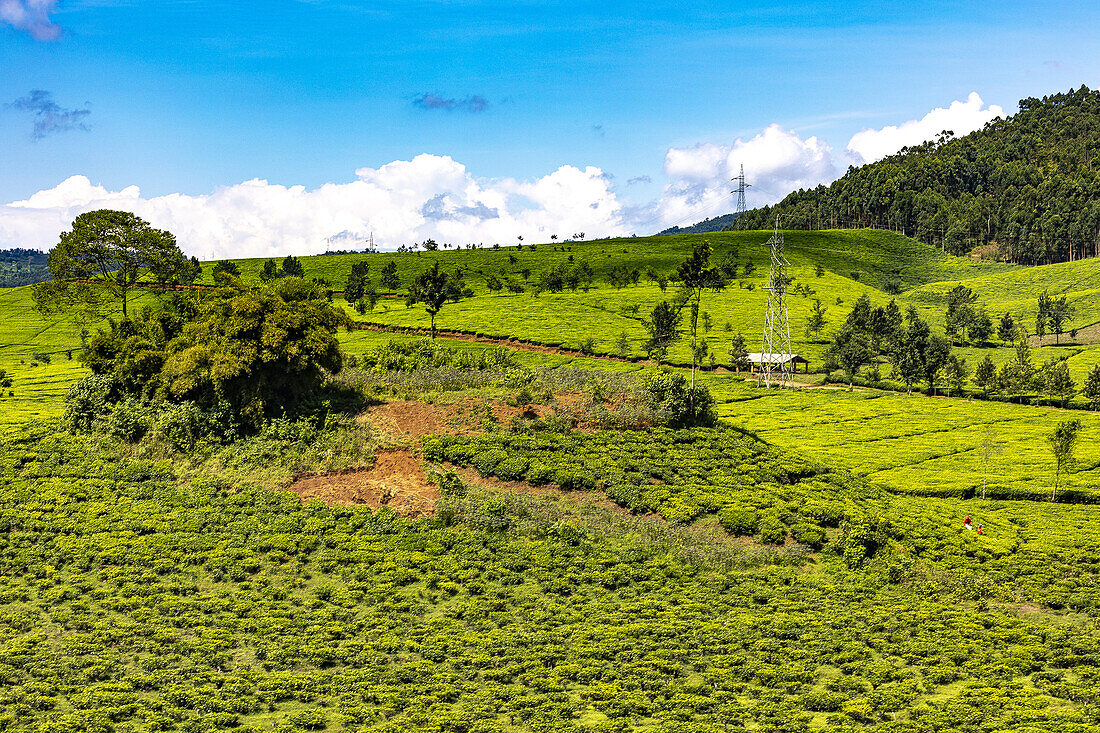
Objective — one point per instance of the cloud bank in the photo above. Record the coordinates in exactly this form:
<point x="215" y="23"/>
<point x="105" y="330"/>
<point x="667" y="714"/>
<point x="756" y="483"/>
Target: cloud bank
<point x="32" y="16"/>
<point x="401" y="202"/>
<point x="49" y="117"/>
<point x="960" y="118"/>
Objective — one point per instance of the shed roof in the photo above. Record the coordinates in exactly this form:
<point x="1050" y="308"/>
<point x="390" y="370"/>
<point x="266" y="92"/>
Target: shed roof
<point x="759" y="358"/>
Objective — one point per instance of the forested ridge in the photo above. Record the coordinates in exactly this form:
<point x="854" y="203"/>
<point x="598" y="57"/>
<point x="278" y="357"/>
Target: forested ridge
<point x="1028" y="185"/>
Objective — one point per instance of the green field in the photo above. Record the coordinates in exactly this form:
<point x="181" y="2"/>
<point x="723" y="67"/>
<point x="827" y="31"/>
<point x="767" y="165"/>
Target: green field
<point x="801" y="567"/>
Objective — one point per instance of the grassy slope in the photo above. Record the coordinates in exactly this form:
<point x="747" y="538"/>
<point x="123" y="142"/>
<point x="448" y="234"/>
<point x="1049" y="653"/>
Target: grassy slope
<point x="874" y="254"/>
<point x="935" y="451"/>
<point x="1015" y="291"/>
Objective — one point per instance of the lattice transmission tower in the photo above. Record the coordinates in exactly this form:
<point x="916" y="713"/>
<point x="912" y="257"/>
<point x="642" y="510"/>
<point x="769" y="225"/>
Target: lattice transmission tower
<point x="776" y="361"/>
<point x="740" y="191"/>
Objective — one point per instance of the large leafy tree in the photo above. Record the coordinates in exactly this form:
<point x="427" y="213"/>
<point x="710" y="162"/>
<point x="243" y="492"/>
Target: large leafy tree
<point x="265" y="351"/>
<point x="104" y="256"/>
<point x="357" y="282"/>
<point x="260" y="352"/>
<point x="663" y="326"/>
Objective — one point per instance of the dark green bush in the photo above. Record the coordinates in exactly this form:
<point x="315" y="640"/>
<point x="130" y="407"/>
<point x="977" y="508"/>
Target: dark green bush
<point x="539" y="474"/>
<point x="486" y="461"/>
<point x="738" y="519"/>
<point x="772" y="530"/>
<point x="808" y="534"/>
<point x="511" y="469"/>
<point x="574" y="480"/>
<point x="674" y="404"/>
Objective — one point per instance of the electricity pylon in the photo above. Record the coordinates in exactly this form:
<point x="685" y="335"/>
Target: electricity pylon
<point x="740" y="191"/>
<point x="775" y="356"/>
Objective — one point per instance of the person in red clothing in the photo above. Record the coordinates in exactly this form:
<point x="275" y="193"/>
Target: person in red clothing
<point x="966" y="522"/>
<point x="979" y="529"/>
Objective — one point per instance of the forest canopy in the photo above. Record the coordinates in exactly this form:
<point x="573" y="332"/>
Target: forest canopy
<point x="1028" y="185"/>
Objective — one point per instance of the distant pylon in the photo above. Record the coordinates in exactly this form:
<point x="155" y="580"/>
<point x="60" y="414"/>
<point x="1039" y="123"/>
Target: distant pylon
<point x="775" y="356"/>
<point x="740" y="191"/>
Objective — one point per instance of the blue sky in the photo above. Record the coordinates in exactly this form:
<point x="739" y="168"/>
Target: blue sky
<point x="194" y="96"/>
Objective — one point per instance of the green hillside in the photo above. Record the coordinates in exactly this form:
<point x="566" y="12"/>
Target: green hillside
<point x="879" y="257"/>
<point x="1027" y="186"/>
<point x="801" y="566"/>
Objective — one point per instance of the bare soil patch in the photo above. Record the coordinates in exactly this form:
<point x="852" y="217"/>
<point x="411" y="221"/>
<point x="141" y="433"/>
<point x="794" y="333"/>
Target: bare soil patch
<point x="404" y="421"/>
<point x="396" y="480"/>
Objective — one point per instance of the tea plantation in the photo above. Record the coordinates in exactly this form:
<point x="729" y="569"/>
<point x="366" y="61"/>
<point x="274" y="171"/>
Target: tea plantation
<point x="801" y="565"/>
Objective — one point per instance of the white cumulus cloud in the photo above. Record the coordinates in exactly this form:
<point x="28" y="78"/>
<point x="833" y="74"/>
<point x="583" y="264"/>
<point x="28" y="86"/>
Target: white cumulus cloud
<point x="960" y="118"/>
<point x="776" y="161"/>
<point x="401" y="202"/>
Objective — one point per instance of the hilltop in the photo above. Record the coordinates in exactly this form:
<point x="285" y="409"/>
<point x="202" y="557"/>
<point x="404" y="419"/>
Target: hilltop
<point x="1026" y="185"/>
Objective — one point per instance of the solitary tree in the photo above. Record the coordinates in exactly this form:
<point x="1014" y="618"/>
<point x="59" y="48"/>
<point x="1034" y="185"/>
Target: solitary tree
<point x="226" y="266"/>
<point x="389" y="276"/>
<point x="1059" y="311"/>
<point x="662" y="325"/>
<point x="695" y="276"/>
<point x="985" y="376"/>
<point x="1057" y="381"/>
<point x="433" y="288"/>
<point x="739" y="354"/>
<point x="106" y="253"/>
<point x="1006" y="329"/>
<point x="817" y="321"/>
<point x="1042" y="315"/>
<point x="357" y="282"/>
<point x="1092" y="387"/>
<point x="955" y="372"/>
<point x="292" y="267"/>
<point x="1063" y="443"/>
<point x="960" y="311"/>
<point x="270" y="271"/>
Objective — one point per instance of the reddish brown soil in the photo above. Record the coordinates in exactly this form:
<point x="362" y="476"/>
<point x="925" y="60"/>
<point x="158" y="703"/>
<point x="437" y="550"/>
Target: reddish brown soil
<point x="396" y="480"/>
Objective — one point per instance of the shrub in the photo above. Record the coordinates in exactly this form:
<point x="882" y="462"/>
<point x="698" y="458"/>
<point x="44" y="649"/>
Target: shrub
<point x="574" y="480"/>
<point x="772" y="530"/>
<point x="539" y="474"/>
<point x="450" y="484"/>
<point x="738" y="519"/>
<point x="808" y="534"/>
<point x="128" y="420"/>
<point x="434" y="448"/>
<point x="88" y="400"/>
<point x="511" y="469"/>
<point x="487" y="461"/>
<point x="670" y="397"/>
